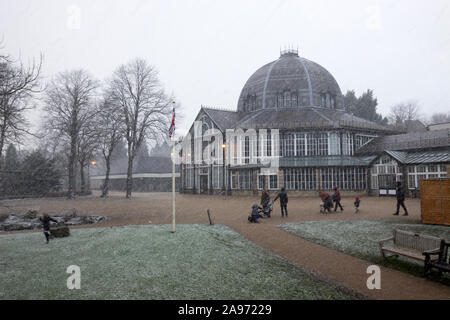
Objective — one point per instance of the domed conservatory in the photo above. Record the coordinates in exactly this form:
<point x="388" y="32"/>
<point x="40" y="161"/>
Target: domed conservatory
<point x="290" y="110"/>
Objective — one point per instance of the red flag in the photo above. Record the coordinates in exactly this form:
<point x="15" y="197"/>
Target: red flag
<point x="172" y="125"/>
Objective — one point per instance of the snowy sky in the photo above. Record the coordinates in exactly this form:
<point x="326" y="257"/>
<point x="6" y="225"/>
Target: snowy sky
<point x="205" y="50"/>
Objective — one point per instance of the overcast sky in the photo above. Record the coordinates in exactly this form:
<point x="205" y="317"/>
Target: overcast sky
<point x="205" y="50"/>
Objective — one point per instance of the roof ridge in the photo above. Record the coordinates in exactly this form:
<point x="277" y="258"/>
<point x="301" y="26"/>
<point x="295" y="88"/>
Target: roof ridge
<point x="218" y="108"/>
<point x="249" y="116"/>
<point x="266" y="81"/>
<point x="302" y="62"/>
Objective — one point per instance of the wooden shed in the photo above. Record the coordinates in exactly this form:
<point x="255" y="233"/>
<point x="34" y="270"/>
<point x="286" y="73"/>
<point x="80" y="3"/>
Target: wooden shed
<point x="435" y="201"/>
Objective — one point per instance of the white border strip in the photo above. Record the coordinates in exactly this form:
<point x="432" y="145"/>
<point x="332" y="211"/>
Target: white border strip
<point x="138" y="175"/>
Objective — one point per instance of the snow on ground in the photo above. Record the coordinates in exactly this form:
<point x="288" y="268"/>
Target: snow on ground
<point x="149" y="262"/>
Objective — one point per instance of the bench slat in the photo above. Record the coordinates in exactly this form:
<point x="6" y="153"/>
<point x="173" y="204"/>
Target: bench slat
<point x="405" y="252"/>
<point x="418" y="242"/>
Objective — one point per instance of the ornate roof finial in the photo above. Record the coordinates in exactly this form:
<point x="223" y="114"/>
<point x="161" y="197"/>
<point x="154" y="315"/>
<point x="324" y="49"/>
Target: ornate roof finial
<point x="289" y="51"/>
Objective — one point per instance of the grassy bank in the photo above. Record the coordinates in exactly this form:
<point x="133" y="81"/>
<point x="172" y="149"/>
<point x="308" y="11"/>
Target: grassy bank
<point x="359" y="238"/>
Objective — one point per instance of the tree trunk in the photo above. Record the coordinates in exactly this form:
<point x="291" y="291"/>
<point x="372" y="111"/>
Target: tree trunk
<point x="106" y="183"/>
<point x="72" y="177"/>
<point x="129" y="172"/>
<point x="82" y="179"/>
<point x="2" y="143"/>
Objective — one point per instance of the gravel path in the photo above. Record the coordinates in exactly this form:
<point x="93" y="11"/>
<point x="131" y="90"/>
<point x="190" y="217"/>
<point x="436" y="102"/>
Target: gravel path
<point x="340" y="268"/>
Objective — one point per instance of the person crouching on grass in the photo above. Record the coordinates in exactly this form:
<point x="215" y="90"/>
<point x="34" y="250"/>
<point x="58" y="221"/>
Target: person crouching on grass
<point x="45" y="219"/>
<point x="357" y="201"/>
<point x="255" y="215"/>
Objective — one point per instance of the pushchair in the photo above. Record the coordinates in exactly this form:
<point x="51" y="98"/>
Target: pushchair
<point x="327" y="202"/>
<point x="266" y="209"/>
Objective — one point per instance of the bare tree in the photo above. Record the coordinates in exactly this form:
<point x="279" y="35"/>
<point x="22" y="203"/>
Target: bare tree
<point x="87" y="144"/>
<point x="70" y="105"/>
<point x="110" y="128"/>
<point x="18" y="84"/>
<point x="403" y="112"/>
<point x="439" y="117"/>
<point x="145" y="106"/>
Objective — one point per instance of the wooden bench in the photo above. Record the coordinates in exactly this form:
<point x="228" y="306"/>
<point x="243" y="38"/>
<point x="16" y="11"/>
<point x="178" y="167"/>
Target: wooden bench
<point x="409" y="244"/>
<point x="442" y="263"/>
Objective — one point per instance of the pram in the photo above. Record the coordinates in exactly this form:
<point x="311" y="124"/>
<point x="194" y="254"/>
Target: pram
<point x="267" y="209"/>
<point x="327" y="202"/>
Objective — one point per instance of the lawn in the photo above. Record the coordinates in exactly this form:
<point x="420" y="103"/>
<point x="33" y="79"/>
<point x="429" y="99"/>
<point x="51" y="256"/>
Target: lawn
<point x="149" y="262"/>
<point x="359" y="238"/>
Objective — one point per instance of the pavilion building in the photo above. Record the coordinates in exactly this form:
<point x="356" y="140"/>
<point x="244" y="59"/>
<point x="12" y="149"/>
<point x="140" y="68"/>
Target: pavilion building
<point x="299" y="107"/>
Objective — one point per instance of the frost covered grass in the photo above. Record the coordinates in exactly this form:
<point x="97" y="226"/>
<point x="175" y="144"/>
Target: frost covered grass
<point x="149" y="262"/>
<point x="359" y="238"/>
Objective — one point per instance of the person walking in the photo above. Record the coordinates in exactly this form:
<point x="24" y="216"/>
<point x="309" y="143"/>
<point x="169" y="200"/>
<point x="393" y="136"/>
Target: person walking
<point x="400" y="194"/>
<point x="356" y="203"/>
<point x="45" y="219"/>
<point x="283" y="201"/>
<point x="337" y="199"/>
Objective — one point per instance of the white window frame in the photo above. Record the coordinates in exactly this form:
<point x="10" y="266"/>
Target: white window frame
<point x="269" y="182"/>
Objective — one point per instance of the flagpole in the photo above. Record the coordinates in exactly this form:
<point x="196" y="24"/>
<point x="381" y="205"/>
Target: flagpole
<point x="173" y="184"/>
<point x="172" y="136"/>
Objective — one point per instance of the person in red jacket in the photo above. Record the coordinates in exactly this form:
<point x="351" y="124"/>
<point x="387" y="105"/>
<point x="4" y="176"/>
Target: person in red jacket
<point x="337" y="199"/>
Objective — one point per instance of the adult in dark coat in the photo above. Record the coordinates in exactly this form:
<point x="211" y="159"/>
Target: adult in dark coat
<point x="337" y="199"/>
<point x="400" y="194"/>
<point x="283" y="201"/>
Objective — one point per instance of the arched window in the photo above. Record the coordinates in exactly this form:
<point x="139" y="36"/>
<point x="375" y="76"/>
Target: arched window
<point x="280" y="100"/>
<point x="323" y="100"/>
<point x="250" y="103"/>
<point x="253" y="102"/>
<point x="294" y="97"/>
<point x="287" y="99"/>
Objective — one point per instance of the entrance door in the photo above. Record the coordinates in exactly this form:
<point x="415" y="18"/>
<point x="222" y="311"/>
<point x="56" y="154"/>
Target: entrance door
<point x="203" y="184"/>
<point x="387" y="184"/>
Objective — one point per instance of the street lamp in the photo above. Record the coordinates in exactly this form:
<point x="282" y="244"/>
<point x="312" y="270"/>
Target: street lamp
<point x="223" y="167"/>
<point x="93" y="163"/>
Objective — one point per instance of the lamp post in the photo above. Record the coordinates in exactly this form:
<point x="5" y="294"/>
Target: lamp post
<point x="93" y="163"/>
<point x="223" y="167"/>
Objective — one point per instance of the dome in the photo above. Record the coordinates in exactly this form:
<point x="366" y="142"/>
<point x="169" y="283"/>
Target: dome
<point x="290" y="82"/>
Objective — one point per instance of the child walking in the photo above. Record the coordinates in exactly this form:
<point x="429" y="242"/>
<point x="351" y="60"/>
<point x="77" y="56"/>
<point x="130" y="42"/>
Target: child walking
<point x="357" y="201"/>
<point x="46" y="222"/>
